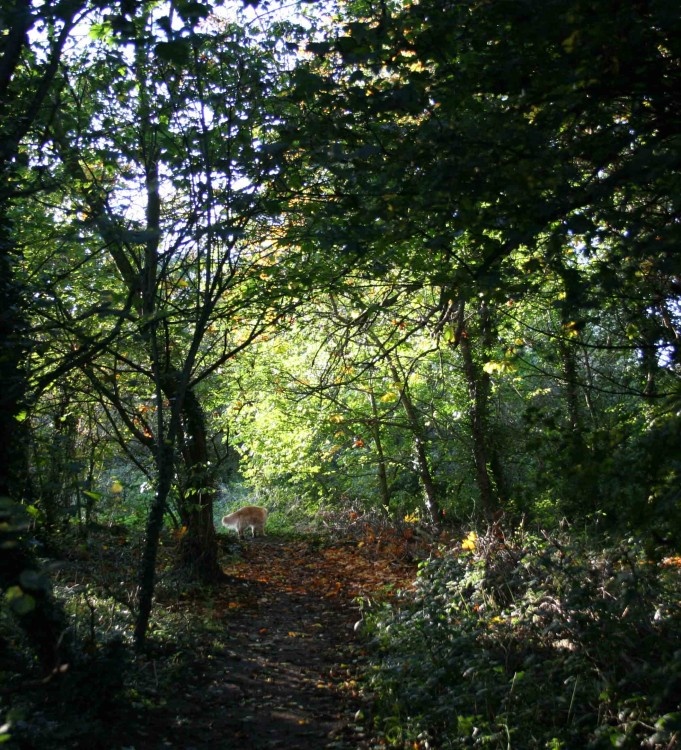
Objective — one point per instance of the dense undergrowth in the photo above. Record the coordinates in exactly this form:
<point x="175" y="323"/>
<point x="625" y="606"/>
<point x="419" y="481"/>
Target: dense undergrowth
<point x="106" y="695"/>
<point x="525" y="642"/>
<point x="531" y="643"/>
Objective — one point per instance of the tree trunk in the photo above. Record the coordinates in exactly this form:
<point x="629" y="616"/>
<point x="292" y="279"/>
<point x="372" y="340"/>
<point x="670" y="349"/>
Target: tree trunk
<point x="12" y="376"/>
<point x="147" y="575"/>
<point x="648" y="357"/>
<point x="574" y="412"/>
<point x="198" y="548"/>
<point x="429" y="491"/>
<point x="42" y="619"/>
<point x="430" y="498"/>
<point x="381" y="469"/>
<point x="478" y="383"/>
<point x="44" y="623"/>
<point x="58" y="484"/>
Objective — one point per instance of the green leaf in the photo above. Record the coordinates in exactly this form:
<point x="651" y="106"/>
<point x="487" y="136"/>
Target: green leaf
<point x="449" y="333"/>
<point x="669" y="722"/>
<point x="101" y="31"/>
<point x="308" y="83"/>
<point x="192" y="11"/>
<point x="177" y="51"/>
<point x="20" y="603"/>
<point x="319" y="48"/>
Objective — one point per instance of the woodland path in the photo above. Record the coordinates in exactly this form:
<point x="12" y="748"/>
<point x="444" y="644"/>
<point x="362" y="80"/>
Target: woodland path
<point x="276" y="661"/>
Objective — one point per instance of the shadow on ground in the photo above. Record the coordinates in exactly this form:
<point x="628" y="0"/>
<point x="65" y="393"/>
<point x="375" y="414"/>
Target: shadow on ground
<point x="276" y="662"/>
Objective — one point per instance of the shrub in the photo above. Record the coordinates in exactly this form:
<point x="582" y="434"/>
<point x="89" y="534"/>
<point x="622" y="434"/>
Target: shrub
<point x="536" y="643"/>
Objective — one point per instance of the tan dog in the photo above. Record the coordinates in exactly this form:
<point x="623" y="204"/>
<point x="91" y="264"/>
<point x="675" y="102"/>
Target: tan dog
<point x="251" y="516"/>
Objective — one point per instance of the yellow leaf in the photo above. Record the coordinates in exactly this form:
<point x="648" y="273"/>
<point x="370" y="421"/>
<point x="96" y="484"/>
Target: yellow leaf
<point x="571" y="329"/>
<point x="469" y="543"/>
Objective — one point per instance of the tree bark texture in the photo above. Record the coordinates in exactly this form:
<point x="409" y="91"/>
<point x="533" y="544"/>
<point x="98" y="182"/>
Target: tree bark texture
<point x="198" y="548"/>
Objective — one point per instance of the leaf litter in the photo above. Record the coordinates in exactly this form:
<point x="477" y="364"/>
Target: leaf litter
<point x="276" y="657"/>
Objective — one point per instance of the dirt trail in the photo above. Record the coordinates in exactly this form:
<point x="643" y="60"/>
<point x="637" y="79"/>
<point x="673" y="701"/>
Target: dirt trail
<point x="279" y="655"/>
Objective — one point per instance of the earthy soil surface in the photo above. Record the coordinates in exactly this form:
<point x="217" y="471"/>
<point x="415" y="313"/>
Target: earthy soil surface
<point x="275" y="662"/>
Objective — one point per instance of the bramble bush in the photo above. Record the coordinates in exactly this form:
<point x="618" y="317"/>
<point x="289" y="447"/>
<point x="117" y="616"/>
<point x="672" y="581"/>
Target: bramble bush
<point x="531" y="643"/>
